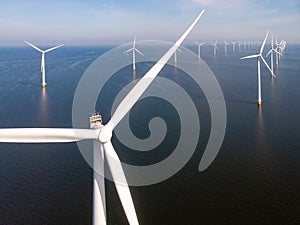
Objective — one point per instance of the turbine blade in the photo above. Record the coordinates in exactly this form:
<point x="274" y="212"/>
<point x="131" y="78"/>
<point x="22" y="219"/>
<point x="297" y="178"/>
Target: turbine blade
<point x="118" y="175"/>
<point x="129" y="50"/>
<point x="136" y="92"/>
<point x="267" y="66"/>
<point x="269" y="52"/>
<point x="263" y="44"/>
<point x="196" y="43"/>
<point x="277" y="52"/>
<point x="202" y="43"/>
<point x="139" y="52"/>
<point x="34" y="46"/>
<point x="50" y="49"/>
<point x="46" y="135"/>
<point x="250" y="57"/>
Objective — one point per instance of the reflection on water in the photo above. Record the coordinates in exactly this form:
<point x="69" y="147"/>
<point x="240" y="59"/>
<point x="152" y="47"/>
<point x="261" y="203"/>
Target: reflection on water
<point x="43" y="109"/>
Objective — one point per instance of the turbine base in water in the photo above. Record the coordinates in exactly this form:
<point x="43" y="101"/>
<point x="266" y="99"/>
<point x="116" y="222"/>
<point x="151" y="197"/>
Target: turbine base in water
<point x="259" y="103"/>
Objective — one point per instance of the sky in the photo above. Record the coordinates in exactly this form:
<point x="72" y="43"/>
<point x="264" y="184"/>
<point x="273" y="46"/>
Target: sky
<point x="105" y="22"/>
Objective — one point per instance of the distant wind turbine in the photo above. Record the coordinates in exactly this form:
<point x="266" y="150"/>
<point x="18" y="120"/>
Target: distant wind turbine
<point x="278" y="48"/>
<point x="225" y="46"/>
<point x="133" y="49"/>
<point x="233" y="45"/>
<point x="271" y="52"/>
<point x="240" y="43"/>
<point x="175" y="55"/>
<point x="215" y="48"/>
<point x="260" y="57"/>
<point x="43" y="60"/>
<point x="199" y="46"/>
<point x="101" y="136"/>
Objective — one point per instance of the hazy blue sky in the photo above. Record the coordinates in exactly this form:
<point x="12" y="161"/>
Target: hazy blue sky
<point x="117" y="21"/>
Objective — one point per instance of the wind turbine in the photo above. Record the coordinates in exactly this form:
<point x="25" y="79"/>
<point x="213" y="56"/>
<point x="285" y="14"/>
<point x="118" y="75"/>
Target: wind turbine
<point x="215" y="48"/>
<point x="240" y="43"/>
<point x="199" y="46"/>
<point x="175" y="55"/>
<point x="101" y="136"/>
<point x="233" y="45"/>
<point x="271" y="52"/>
<point x="225" y="46"/>
<point x="260" y="57"/>
<point x="43" y="60"/>
<point x="278" y="48"/>
<point x="133" y="49"/>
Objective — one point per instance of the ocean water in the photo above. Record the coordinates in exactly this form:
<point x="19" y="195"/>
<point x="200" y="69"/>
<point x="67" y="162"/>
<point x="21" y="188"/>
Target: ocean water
<point x="255" y="179"/>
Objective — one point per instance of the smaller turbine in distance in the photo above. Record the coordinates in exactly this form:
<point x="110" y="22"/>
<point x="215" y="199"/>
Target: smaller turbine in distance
<point x="199" y="45"/>
<point x="233" y="45"/>
<point x="134" y="49"/>
<point x="225" y="46"/>
<point x="215" y="48"/>
<point x="271" y="52"/>
<point x="43" y="70"/>
<point x="260" y="57"/>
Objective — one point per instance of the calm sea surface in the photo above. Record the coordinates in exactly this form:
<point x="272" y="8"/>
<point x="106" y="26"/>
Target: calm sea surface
<point x="255" y="178"/>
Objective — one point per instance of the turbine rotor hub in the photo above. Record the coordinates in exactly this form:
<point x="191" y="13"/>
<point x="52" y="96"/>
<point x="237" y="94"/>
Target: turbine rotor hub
<point x="105" y="133"/>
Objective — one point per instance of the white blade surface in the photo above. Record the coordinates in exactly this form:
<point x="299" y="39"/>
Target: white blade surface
<point x="277" y="52"/>
<point x="250" y="56"/>
<point x="136" y="92"/>
<point x="267" y="66"/>
<point x="50" y="49"/>
<point x="139" y="52"/>
<point x="129" y="50"/>
<point x="269" y="52"/>
<point x="263" y="44"/>
<point x="118" y="175"/>
<point x="46" y="135"/>
<point x="33" y="46"/>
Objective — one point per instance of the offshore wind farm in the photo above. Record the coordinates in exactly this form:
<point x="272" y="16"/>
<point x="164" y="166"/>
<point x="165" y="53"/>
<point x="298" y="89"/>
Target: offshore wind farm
<point x="252" y="179"/>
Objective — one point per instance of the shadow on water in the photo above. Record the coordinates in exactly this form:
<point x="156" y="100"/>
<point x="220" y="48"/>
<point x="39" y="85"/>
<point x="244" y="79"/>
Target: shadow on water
<point x="29" y="83"/>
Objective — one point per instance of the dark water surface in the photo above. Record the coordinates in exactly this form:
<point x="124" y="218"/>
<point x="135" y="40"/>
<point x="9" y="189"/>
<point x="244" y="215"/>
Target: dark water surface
<point x="255" y="178"/>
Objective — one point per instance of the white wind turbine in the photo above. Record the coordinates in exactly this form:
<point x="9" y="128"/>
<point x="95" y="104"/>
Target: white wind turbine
<point x="233" y="45"/>
<point x="215" y="48"/>
<point x="260" y="57"/>
<point x="43" y="70"/>
<point x="101" y="135"/>
<point x="199" y="46"/>
<point x="271" y="52"/>
<point x="225" y="46"/>
<point x="133" y="49"/>
<point x="240" y="43"/>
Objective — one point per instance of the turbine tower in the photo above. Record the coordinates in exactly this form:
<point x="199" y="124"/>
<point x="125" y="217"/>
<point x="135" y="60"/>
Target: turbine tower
<point x="175" y="55"/>
<point x="233" y="45"/>
<point x="43" y="70"/>
<point x="240" y="43"/>
<point x="199" y="46"/>
<point x="225" y="46"/>
<point x="133" y="49"/>
<point x="260" y="57"/>
<point x="215" y="48"/>
<point x="278" y="48"/>
<point x="101" y="135"/>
